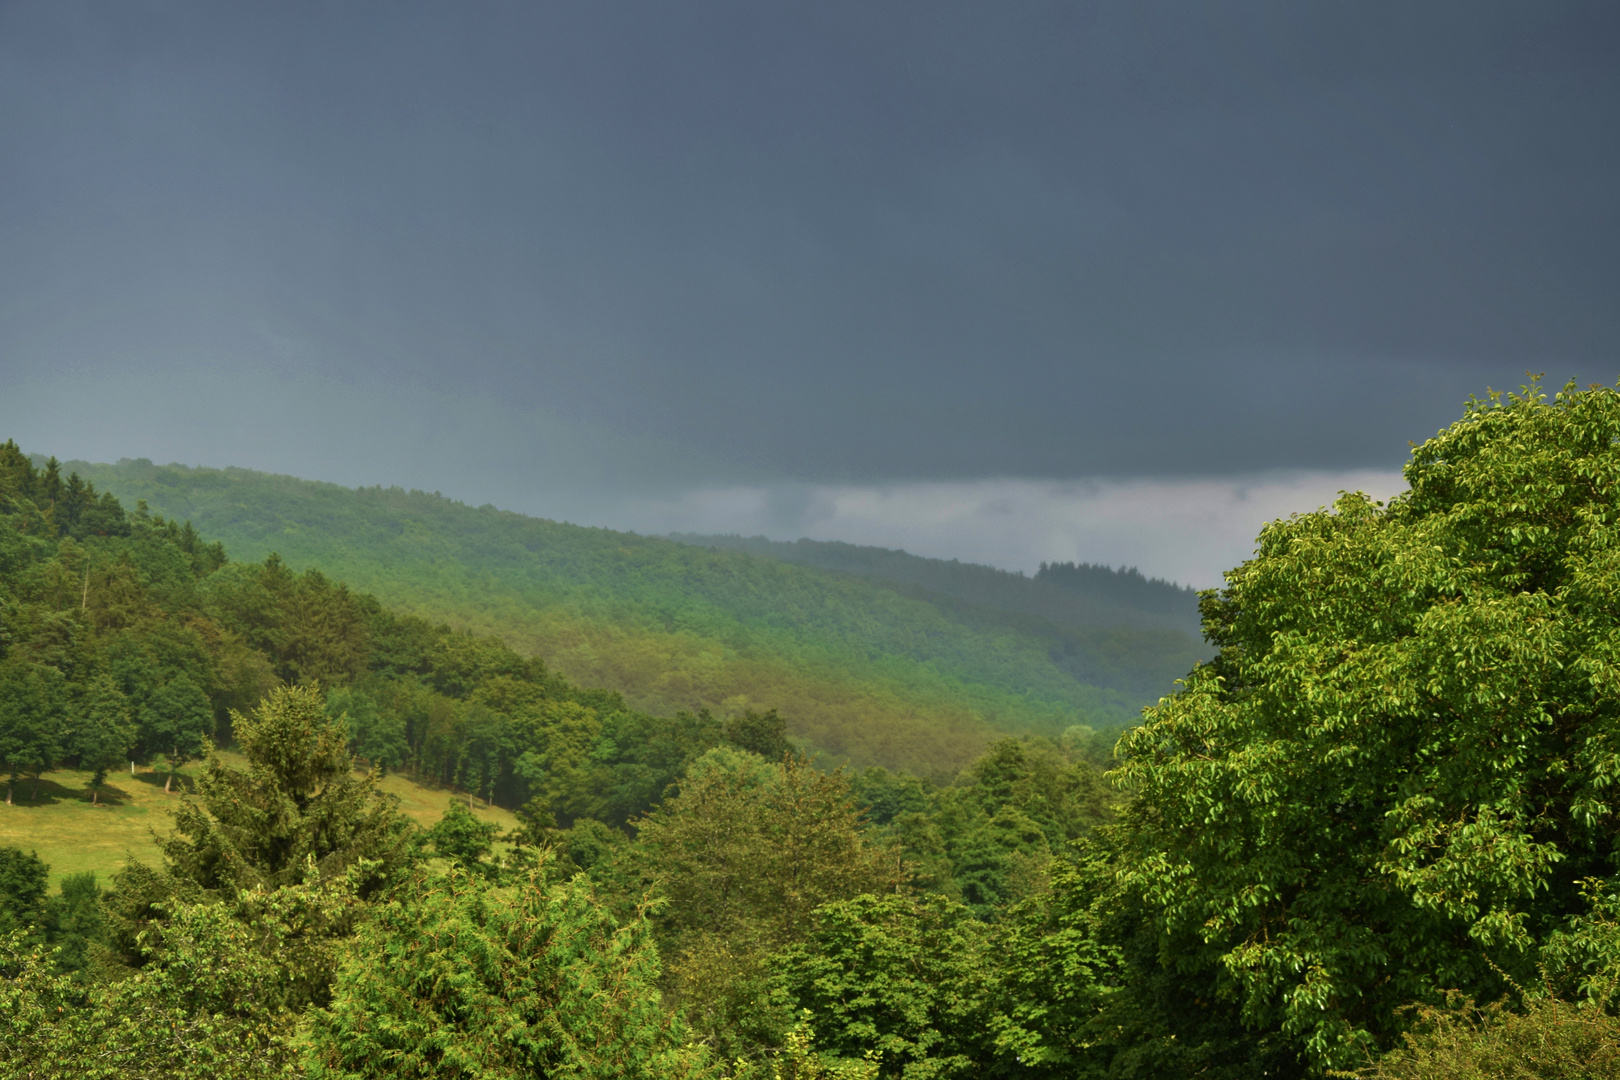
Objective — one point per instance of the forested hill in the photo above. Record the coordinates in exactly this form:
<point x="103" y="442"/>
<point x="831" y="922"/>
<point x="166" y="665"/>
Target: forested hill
<point x="862" y="672"/>
<point x="1081" y="597"/>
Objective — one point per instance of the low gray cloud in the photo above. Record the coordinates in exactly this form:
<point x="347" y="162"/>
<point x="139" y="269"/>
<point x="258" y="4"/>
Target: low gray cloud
<point x="1188" y="531"/>
<point x="288" y="420"/>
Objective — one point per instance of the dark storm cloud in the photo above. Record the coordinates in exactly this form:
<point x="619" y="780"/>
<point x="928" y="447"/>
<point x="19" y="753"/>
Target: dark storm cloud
<point x="819" y="242"/>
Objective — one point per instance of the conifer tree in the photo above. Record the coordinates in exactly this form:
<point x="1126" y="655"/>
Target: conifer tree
<point x="23" y="880"/>
<point x="299" y="799"/>
<point x="456" y="979"/>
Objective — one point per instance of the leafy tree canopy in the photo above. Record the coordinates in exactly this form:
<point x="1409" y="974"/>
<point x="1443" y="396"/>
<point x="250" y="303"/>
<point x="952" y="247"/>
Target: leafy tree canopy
<point x="1402" y="765"/>
<point x="744" y="853"/>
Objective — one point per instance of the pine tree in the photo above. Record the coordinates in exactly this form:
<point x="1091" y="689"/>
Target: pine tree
<point x="299" y="799"/>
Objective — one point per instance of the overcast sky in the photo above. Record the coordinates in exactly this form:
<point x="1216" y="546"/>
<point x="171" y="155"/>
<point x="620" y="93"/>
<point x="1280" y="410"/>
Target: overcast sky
<point x="1009" y="281"/>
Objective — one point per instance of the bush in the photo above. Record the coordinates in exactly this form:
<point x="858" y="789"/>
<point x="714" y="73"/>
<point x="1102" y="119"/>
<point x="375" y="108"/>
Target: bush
<point x="458" y="979"/>
<point x="1550" y="1040"/>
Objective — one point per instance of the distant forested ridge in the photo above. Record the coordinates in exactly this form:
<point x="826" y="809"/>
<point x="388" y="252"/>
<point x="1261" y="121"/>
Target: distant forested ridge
<point x="1126" y="586"/>
<point x="1068" y="595"/>
<point x="899" y="673"/>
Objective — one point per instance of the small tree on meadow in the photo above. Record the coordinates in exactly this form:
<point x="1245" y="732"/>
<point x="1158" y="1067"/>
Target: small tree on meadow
<point x="467" y="842"/>
<point x="179" y="720"/>
<point x="31" y="719"/>
<point x="104" y="730"/>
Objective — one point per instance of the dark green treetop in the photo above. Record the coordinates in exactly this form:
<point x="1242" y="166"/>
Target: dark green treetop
<point x="467" y="842"/>
<point x="23" y="880"/>
<point x="764" y="734"/>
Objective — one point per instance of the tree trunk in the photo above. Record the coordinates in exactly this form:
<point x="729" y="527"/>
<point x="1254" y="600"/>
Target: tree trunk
<point x="8" y="792"/>
<point x="95" y="796"/>
<point x="167" y="782"/>
<point x="33" y="796"/>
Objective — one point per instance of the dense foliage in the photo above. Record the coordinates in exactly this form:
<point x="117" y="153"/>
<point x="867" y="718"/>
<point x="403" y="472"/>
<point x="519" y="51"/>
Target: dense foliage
<point x="1373" y="837"/>
<point x="454" y="978"/>
<point x="1397" y="775"/>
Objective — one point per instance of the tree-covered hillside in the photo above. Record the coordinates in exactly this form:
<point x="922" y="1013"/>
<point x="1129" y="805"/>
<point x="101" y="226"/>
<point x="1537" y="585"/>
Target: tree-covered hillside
<point x="125" y="636"/>
<point x="863" y="671"/>
<point x="1068" y="595"/>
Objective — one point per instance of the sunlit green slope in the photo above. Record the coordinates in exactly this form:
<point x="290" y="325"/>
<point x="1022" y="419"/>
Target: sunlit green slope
<point x="863" y="670"/>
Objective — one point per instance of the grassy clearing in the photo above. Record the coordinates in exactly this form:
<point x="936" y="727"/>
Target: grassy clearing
<point x="425" y="805"/>
<point x="73" y="836"/>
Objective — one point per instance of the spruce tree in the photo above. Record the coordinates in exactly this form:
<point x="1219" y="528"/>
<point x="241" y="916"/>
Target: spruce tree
<point x="299" y="799"/>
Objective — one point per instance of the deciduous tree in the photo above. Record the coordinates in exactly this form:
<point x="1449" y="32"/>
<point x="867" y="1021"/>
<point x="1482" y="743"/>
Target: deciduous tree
<point x="745" y="852"/>
<point x="32" y="699"/>
<point x="103" y="730"/>
<point x="1393" y="778"/>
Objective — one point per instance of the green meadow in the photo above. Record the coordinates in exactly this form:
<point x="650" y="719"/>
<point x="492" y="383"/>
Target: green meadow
<point x="74" y="836"/>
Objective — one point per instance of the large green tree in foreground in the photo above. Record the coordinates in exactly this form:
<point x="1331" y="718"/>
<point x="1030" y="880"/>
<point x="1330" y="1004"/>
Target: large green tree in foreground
<point x="298" y="818"/>
<point x="298" y="800"/>
<point x="1399" y="776"/>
